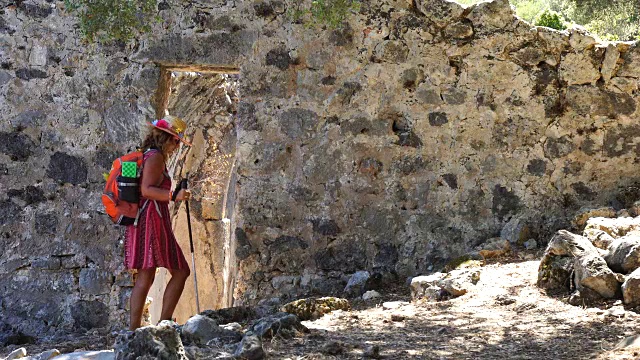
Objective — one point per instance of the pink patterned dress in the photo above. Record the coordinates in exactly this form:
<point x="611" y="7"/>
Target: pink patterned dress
<point x="151" y="243"/>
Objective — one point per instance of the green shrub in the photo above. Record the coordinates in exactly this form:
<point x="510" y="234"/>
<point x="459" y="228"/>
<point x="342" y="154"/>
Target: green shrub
<point x="551" y="19"/>
<point x="329" y="13"/>
<point x="113" y="20"/>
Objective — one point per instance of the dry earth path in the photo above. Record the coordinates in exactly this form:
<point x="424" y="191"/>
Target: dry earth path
<point x="504" y="317"/>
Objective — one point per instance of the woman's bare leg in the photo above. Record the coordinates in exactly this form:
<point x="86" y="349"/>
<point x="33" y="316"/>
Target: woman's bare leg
<point x="144" y="280"/>
<point x="173" y="291"/>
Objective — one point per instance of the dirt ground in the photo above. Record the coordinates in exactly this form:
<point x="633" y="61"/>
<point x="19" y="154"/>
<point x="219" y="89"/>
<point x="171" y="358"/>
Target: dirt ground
<point x="505" y="317"/>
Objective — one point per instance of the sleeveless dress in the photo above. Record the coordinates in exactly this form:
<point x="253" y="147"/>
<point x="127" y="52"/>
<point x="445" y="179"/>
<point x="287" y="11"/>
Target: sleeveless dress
<point x="151" y="243"/>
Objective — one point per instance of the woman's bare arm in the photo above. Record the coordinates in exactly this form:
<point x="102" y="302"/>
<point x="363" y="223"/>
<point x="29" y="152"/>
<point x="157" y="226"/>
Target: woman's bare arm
<point x="152" y="176"/>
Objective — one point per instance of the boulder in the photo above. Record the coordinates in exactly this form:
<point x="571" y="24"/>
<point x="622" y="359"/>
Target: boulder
<point x="357" y="284"/>
<point x="554" y="273"/>
<point x="623" y="254"/>
<point x="616" y="227"/>
<point x="459" y="282"/>
<point x="489" y="16"/>
<point x="580" y="220"/>
<point x="201" y="329"/>
<point x="516" y="231"/>
<point x="150" y="342"/>
<point x="238" y="314"/>
<point x="427" y="286"/>
<point x="599" y="238"/>
<point x="281" y="323"/>
<point x="17" y="354"/>
<point x="590" y="269"/>
<point x="585" y="297"/>
<point x="46" y="355"/>
<point x="435" y="286"/>
<point x="631" y="289"/>
<point x="494" y="247"/>
<point x="564" y="243"/>
<point x="315" y="308"/>
<point x="250" y="348"/>
<point x="370" y="295"/>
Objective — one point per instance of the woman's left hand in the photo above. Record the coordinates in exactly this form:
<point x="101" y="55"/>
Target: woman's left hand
<point x="183" y="194"/>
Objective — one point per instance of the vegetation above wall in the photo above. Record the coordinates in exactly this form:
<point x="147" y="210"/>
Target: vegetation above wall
<point x="609" y="19"/>
<point x="113" y="20"/>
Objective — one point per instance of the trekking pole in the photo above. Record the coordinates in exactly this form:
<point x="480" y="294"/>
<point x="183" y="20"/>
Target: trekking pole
<point x="193" y="258"/>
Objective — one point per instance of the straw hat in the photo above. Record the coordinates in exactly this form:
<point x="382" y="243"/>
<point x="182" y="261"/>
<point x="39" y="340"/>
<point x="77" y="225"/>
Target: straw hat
<point x="172" y="125"/>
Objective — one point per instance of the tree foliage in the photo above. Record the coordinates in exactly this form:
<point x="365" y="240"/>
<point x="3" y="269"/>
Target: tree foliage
<point x="113" y="20"/>
<point x="608" y="19"/>
<point x="551" y="19"/>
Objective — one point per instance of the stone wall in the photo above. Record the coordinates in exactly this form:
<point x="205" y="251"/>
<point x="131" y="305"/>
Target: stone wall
<point x="402" y="141"/>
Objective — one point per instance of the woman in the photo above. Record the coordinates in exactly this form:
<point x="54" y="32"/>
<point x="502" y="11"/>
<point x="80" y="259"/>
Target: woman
<point x="151" y="243"/>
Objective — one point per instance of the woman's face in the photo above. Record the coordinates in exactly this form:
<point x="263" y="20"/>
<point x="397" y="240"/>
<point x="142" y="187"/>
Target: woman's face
<point x="174" y="143"/>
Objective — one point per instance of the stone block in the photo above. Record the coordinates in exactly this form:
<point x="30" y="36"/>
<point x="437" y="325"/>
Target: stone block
<point x="95" y="281"/>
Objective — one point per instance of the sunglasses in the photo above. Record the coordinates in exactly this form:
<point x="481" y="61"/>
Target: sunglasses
<point x="176" y="140"/>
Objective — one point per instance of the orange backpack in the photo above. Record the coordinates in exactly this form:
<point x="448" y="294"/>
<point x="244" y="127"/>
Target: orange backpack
<point x="121" y="195"/>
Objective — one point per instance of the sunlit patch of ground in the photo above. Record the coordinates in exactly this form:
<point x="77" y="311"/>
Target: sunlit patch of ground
<point x="505" y="317"/>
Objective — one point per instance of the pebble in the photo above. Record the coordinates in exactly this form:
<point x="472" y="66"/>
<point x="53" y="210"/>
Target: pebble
<point x="390" y="305"/>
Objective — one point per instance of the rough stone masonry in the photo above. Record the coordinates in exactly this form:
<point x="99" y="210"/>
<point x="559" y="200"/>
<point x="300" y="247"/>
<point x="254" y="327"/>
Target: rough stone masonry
<point x="405" y="139"/>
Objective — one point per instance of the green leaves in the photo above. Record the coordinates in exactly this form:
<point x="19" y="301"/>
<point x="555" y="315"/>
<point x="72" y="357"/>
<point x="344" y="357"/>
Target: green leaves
<point x="113" y="20"/>
<point x="551" y="19"/>
<point x="329" y="13"/>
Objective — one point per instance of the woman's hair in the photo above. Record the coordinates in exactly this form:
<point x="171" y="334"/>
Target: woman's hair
<point x="157" y="139"/>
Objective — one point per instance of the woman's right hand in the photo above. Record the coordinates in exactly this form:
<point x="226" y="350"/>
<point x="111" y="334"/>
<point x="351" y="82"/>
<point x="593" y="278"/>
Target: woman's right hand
<point x="183" y="194"/>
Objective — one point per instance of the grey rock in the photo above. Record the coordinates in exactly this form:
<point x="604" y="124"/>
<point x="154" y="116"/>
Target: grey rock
<point x="357" y="283"/>
<point x="516" y="231"/>
<point x="46" y="355"/>
<point x="631" y="289"/>
<point x="491" y="15"/>
<point x="67" y="168"/>
<point x="370" y="295"/>
<point x="90" y="314"/>
<point x="95" y="281"/>
<point x="269" y="326"/>
<point x="18" y="146"/>
<point x="279" y="58"/>
<point x="459" y="281"/>
<point x="201" y="329"/>
<point x="48" y="263"/>
<point x="157" y="342"/>
<point x="250" y="348"/>
<point x="29" y="74"/>
<point x="88" y="355"/>
<point x="441" y="12"/>
<point x="391" y="51"/>
<point x="591" y="272"/>
<point x="623" y="254"/>
<point x="17" y="354"/>
<point x="297" y="123"/>
<point x="599" y="238"/>
<point x="455" y="283"/>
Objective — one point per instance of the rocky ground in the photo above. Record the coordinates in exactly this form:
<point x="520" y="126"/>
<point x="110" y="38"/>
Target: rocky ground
<point x="504" y="316"/>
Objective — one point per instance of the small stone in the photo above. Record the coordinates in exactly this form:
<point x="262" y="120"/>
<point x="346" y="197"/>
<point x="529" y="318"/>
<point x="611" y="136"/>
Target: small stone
<point x="531" y="244"/>
<point x="372" y="352"/>
<point x="17" y="354"/>
<point x="250" y="348"/>
<point x="392" y="305"/>
<point x="333" y="348"/>
<point x="397" y="317"/>
<point x="46" y="355"/>
<point x="370" y="295"/>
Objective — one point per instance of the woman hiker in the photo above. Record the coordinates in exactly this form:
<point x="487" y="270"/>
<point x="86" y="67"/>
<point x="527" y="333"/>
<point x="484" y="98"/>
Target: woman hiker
<point x="151" y="243"/>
